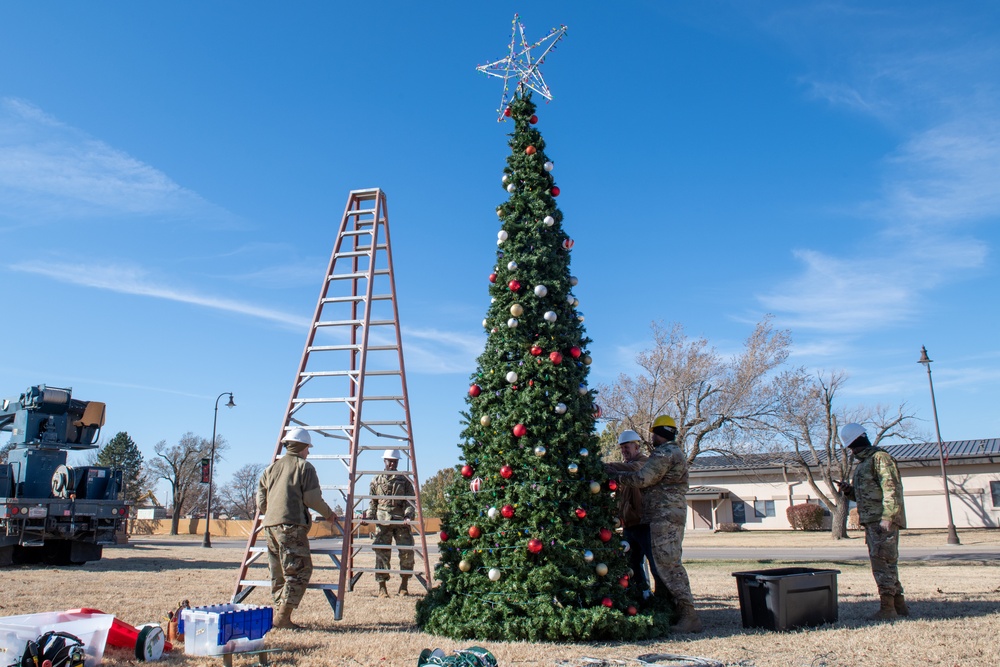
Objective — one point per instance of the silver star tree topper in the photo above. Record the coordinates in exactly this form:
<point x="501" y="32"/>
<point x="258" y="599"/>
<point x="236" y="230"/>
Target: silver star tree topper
<point x="520" y="66"/>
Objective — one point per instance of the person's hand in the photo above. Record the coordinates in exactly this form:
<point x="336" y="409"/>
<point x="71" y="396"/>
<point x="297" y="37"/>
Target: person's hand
<point x="885" y="524"/>
<point x="406" y="521"/>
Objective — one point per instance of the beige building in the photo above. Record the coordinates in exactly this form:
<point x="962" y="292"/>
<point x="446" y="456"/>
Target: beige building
<point x="754" y="491"/>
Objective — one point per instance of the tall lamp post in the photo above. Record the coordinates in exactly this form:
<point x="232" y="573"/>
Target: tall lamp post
<point x="952" y="534"/>
<point x="207" y="542"/>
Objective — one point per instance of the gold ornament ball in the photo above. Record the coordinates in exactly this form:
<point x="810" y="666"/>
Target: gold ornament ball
<point x="601" y="569"/>
<point x="485" y="420"/>
<point x="595" y="487"/>
<point x="516" y="310"/>
<point x="464" y="565"/>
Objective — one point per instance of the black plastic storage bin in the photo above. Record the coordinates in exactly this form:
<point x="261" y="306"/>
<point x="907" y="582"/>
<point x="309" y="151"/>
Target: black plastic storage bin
<point x="786" y="598"/>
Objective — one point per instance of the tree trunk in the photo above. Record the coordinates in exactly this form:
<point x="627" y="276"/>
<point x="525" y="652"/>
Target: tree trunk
<point x="175" y="521"/>
<point x="838" y="522"/>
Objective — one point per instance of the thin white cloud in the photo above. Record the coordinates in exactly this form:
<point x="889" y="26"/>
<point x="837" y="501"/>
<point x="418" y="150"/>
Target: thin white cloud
<point x="133" y="280"/>
<point x="449" y="352"/>
<point x="49" y="170"/>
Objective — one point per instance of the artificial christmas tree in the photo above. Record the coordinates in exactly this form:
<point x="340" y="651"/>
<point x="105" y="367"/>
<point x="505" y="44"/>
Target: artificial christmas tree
<point x="528" y="548"/>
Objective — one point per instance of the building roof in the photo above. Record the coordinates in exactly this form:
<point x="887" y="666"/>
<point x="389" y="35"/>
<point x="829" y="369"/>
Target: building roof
<point x="957" y="452"/>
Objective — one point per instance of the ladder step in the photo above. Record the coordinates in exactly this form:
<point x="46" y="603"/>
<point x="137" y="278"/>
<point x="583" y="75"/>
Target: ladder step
<point x="375" y="569"/>
<point x="371" y="547"/>
<point x="354" y="323"/>
<point x="344" y="348"/>
<point x="358" y="275"/>
<point x="349" y="299"/>
<point x="361" y="252"/>
<point x="367" y="497"/>
<point x="329" y="457"/>
<point x="357" y="232"/>
<point x="255" y="582"/>
<point x="361" y="473"/>
<point x="363" y="211"/>
<point x="333" y="487"/>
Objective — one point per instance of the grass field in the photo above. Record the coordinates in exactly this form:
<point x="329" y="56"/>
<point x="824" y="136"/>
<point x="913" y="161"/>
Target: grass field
<point x="955" y="607"/>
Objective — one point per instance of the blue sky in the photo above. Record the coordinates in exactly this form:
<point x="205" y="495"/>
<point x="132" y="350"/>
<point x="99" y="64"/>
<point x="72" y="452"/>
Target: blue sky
<point x="172" y="176"/>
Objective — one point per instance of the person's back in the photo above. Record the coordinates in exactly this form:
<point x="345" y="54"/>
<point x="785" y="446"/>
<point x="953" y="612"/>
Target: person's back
<point x="664" y="481"/>
<point x="284" y="483"/>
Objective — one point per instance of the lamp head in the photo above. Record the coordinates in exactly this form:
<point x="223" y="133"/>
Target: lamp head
<point x="230" y="404"/>
<point x="923" y="356"/>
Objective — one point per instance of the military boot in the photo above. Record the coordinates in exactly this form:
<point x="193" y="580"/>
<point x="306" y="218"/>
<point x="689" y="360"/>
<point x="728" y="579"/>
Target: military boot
<point x="283" y="618"/>
<point x="899" y="602"/>
<point x="688" y="621"/>
<point x="887" y="610"/>
<point x="402" y="585"/>
<point x="383" y="592"/>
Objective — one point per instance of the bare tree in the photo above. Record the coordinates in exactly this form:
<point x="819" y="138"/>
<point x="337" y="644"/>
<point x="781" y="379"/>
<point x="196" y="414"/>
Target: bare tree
<point x="808" y="421"/>
<point x="240" y="495"/>
<point x="716" y="400"/>
<point x="180" y="466"/>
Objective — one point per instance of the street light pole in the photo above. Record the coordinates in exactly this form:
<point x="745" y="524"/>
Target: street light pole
<point x="952" y="534"/>
<point x="207" y="542"/>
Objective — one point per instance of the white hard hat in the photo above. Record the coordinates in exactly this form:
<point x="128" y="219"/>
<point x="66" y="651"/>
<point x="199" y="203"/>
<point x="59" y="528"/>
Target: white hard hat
<point x="298" y="435"/>
<point x="393" y="454"/>
<point x="628" y="436"/>
<point x="850" y="433"/>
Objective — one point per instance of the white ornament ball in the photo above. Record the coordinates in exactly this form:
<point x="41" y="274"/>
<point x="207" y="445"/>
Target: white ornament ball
<point x="464" y="565"/>
<point x="601" y="569"/>
<point x="512" y="323"/>
<point x="540" y="451"/>
<point x="569" y="299"/>
<point x="499" y="242"/>
<point x="574" y="281"/>
<point x="512" y="377"/>
<point x="510" y="187"/>
<point x="516" y="310"/>
<point x="595" y="487"/>
<point x="502" y="235"/>
<point x="485" y="323"/>
<point x="541" y="290"/>
<point x="584" y="452"/>
<point x="550" y="316"/>
<point x="573" y="468"/>
<point x="492" y="513"/>
<point x="549" y="220"/>
<point x="626" y="546"/>
<point x="583" y="390"/>
<point x="560" y="408"/>
<point x="505" y="178"/>
<point x="511" y="266"/>
<point x="548" y="166"/>
<point x="588" y="555"/>
<point x="493" y="299"/>
<point x="494" y="574"/>
<point x="485" y="420"/>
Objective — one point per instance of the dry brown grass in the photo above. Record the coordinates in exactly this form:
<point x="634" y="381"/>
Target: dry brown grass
<point x="956" y="614"/>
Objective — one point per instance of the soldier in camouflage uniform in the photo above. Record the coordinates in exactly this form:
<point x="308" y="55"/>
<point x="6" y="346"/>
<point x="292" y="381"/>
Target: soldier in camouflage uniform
<point x="400" y="508"/>
<point x="665" y="480"/>
<point x="287" y="490"/>
<point x="878" y="491"/>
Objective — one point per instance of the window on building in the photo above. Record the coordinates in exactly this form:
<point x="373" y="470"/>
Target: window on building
<point x="739" y="511"/>
<point x="995" y="492"/>
<point x="763" y="508"/>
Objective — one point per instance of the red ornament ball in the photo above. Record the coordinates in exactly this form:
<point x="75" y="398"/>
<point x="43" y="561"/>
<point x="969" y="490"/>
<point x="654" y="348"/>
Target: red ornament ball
<point x="506" y="112"/>
<point x="555" y="357"/>
<point x="533" y="120"/>
<point x="568" y="244"/>
<point x="608" y="602"/>
<point x="612" y="485"/>
<point x="535" y="545"/>
<point x="520" y="430"/>
<point x="623" y="582"/>
<point x="530" y="150"/>
<point x="575" y="352"/>
<point x="605" y="535"/>
<point x="632" y="611"/>
<point x="506" y="472"/>
<point x="493" y="277"/>
<point x="555" y="191"/>
<point x="474" y="390"/>
<point x="474" y="532"/>
<point x="466" y="470"/>
<point x="507" y="511"/>
<point x="535" y="350"/>
<point x="580" y="513"/>
<point x="444" y="536"/>
<point x="514" y="285"/>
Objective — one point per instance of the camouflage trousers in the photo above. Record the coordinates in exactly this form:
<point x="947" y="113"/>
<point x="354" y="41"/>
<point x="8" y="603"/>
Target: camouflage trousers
<point x="667" y="537"/>
<point x="883" y="551"/>
<point x="384" y="535"/>
<point x="290" y="562"/>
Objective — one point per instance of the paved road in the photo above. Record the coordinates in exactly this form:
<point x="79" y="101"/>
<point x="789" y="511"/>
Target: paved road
<point x="975" y="552"/>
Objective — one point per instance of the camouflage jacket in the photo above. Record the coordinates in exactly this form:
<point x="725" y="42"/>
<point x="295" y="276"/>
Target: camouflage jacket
<point x="877" y="488"/>
<point x="664" y="477"/>
<point x="391" y="484"/>
<point x="286" y="489"/>
<point x="630" y="505"/>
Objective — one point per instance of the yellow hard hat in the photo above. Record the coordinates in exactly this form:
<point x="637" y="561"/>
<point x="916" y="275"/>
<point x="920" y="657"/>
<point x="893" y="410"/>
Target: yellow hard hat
<point x="664" y="420"/>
